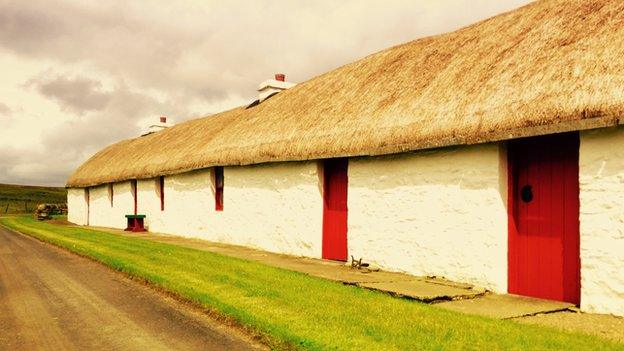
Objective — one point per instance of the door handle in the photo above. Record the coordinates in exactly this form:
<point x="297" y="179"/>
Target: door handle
<point x="526" y="194"/>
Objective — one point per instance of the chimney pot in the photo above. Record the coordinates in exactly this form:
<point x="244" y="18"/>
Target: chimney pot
<point x="273" y="86"/>
<point x="163" y="119"/>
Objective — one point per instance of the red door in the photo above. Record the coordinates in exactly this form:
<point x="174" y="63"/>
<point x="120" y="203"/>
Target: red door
<point x="544" y="256"/>
<point x="335" y="182"/>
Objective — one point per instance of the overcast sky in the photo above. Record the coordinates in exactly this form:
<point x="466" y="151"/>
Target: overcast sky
<point x="76" y="77"/>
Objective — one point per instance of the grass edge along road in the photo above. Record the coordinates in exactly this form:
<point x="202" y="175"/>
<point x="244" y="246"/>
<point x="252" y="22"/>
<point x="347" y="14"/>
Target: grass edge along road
<point x="293" y="310"/>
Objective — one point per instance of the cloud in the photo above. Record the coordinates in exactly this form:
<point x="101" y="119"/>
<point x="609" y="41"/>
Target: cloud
<point x="93" y="72"/>
<point x="119" y="119"/>
<point x="33" y="166"/>
<point x="65" y="145"/>
<point x="4" y="109"/>
<point x="213" y="49"/>
<point x="73" y="94"/>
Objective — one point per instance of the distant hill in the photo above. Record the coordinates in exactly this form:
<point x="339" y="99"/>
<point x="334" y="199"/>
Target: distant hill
<point x="24" y="198"/>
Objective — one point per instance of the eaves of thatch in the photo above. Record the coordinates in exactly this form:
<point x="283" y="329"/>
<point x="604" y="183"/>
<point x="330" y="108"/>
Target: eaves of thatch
<point x="548" y="67"/>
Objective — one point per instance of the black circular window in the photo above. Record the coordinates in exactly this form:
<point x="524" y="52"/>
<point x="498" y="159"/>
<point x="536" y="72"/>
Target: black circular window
<point x="526" y="193"/>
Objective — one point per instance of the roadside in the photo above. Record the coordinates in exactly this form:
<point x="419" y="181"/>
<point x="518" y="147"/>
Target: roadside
<point x="53" y="300"/>
<point x="297" y="309"/>
<point x="458" y="297"/>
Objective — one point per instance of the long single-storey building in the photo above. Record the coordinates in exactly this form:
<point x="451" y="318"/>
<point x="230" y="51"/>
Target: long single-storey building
<point x="492" y="155"/>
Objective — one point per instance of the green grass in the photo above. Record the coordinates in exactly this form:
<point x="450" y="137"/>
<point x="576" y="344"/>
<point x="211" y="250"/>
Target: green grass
<point x="24" y="198"/>
<point x="294" y="309"/>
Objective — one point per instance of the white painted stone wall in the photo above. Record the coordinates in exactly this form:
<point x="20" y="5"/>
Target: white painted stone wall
<point x="76" y="206"/>
<point x="148" y="203"/>
<point x="601" y="171"/>
<point x="102" y="214"/>
<point x="439" y="213"/>
<point x="274" y="207"/>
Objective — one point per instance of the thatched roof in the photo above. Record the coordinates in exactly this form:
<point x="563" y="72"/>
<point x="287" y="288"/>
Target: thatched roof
<point x="548" y="67"/>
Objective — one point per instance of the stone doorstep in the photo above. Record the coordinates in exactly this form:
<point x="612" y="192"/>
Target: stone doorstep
<point x="424" y="290"/>
<point x="506" y="306"/>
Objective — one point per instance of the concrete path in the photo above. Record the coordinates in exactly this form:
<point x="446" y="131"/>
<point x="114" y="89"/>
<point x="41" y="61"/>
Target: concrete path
<point x="506" y="306"/>
<point x="53" y="300"/>
<point x="603" y="325"/>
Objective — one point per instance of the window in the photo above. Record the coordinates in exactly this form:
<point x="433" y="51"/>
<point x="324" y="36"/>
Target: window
<point x="133" y="189"/>
<point x="161" y="187"/>
<point x="87" y="195"/>
<point x="110" y="194"/>
<point x="218" y="181"/>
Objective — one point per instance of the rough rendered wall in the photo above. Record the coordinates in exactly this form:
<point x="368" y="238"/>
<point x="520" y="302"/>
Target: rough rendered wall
<point x="281" y="206"/>
<point x="189" y="205"/>
<point x="437" y="213"/>
<point x="275" y="207"/>
<point x="601" y="172"/>
<point x="148" y="193"/>
<point x="102" y="214"/>
<point x="76" y="206"/>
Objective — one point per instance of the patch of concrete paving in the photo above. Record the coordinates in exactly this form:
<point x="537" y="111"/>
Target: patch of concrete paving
<point x="425" y="290"/>
<point x="603" y="325"/>
<point x="505" y="306"/>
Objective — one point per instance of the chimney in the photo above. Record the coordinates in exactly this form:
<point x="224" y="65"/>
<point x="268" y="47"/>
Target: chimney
<point x="157" y="127"/>
<point x="273" y="86"/>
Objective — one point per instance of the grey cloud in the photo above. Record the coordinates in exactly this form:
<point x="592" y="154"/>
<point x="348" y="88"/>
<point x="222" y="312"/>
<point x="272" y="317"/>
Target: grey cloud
<point x="6" y="114"/>
<point x="5" y="110"/>
<point x="73" y="94"/>
<point x="224" y="47"/>
<point x="26" y="28"/>
<point x="33" y="166"/>
<point x="66" y="146"/>
<point x="79" y="138"/>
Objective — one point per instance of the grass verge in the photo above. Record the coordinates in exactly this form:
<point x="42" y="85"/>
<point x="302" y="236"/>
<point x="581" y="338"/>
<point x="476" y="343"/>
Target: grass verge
<point x="296" y="310"/>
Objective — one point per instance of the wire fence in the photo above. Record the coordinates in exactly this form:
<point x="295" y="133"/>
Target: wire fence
<point x="17" y="206"/>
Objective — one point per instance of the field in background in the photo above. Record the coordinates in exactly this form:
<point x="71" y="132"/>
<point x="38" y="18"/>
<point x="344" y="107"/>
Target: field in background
<point x="24" y="198"/>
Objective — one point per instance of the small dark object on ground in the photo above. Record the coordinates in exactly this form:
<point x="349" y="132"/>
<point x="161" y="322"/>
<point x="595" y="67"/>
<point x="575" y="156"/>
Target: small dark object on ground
<point x="364" y="267"/>
<point x="357" y="263"/>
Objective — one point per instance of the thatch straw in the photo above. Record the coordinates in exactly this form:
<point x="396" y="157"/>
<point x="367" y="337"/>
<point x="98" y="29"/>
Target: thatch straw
<point x="548" y="67"/>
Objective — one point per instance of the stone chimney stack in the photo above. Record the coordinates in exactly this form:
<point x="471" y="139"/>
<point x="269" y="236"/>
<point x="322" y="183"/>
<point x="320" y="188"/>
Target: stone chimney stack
<point x="273" y="86"/>
<point x="157" y="127"/>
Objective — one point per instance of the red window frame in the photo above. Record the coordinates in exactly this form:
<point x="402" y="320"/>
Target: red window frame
<point x="88" y="201"/>
<point x="218" y="182"/>
<point x="111" y="193"/>
<point x="133" y="186"/>
<point x="161" y="184"/>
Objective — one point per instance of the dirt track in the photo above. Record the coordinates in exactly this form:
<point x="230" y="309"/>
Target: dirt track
<point x="53" y="300"/>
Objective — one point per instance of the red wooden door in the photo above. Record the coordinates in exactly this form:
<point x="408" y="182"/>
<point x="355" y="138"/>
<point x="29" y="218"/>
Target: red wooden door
<point x="335" y="181"/>
<point x="543" y="204"/>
